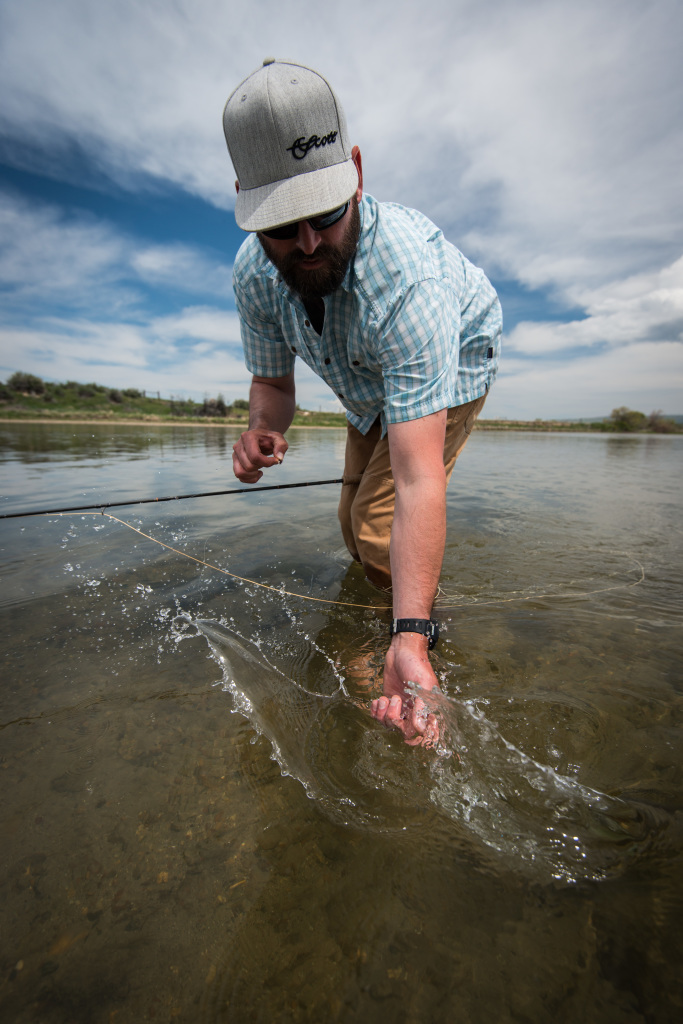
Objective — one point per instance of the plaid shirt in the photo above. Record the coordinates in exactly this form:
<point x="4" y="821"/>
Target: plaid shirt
<point x="413" y="328"/>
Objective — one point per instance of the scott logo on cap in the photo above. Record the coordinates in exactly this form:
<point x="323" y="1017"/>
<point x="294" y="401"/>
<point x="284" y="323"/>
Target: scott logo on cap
<point x="301" y="147"/>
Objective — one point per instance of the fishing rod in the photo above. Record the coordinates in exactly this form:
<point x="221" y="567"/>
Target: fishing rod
<point x="172" y="497"/>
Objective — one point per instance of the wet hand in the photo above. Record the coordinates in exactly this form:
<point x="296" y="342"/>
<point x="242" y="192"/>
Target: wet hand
<point x="257" y="449"/>
<point x="407" y="662"/>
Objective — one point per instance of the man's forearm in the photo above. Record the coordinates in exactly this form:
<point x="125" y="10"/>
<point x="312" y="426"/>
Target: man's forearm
<point x="417" y="545"/>
<point x="418" y="538"/>
<point x="271" y="406"/>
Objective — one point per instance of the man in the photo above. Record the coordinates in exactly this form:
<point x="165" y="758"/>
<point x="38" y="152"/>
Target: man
<point x="401" y="326"/>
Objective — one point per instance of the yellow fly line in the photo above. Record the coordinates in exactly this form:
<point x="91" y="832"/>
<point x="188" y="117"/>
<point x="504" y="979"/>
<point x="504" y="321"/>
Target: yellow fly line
<point x="350" y="604"/>
<point x="226" y="572"/>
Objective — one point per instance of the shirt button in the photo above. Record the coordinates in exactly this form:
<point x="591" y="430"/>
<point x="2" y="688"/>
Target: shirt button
<point x="356" y="363"/>
<point x="328" y="361"/>
<point x="307" y="323"/>
<point x="293" y="349"/>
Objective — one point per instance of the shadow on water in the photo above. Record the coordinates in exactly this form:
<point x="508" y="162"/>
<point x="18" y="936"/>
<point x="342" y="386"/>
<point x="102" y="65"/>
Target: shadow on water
<point x="486" y="791"/>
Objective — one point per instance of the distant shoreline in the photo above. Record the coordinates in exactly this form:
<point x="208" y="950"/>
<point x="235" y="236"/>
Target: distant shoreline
<point x="24" y="395"/>
<point x="520" y="426"/>
<point x="160" y="422"/>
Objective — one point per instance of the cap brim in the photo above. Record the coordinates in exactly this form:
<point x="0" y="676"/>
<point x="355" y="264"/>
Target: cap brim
<point x="292" y="199"/>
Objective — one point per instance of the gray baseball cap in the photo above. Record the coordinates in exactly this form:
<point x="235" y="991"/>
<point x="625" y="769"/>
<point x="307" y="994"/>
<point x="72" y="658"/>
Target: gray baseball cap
<point x="287" y="138"/>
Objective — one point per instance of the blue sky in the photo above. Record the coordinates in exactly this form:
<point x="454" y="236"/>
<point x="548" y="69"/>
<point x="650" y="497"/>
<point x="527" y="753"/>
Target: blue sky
<point x="544" y="137"/>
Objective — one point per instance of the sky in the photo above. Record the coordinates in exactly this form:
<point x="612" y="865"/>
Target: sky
<point x="545" y="138"/>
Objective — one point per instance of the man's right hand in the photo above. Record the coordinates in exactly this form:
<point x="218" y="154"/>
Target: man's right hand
<point x="407" y="659"/>
<point x="257" y="449"/>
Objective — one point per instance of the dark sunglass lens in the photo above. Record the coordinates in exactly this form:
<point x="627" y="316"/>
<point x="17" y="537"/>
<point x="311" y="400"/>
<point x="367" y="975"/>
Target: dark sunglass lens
<point x="328" y="219"/>
<point x="283" y="233"/>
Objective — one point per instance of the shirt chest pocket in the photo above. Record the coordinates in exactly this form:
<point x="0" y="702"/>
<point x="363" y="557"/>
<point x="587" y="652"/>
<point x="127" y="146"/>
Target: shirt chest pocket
<point x="360" y="358"/>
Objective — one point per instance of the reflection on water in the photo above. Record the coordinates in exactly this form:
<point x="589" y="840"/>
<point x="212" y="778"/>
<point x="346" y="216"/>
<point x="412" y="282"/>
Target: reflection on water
<point x="202" y="823"/>
<point x="58" y="464"/>
<point x="51" y="442"/>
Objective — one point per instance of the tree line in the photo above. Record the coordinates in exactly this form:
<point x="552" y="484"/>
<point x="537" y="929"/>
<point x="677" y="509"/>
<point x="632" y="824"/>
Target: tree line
<point x="72" y="393"/>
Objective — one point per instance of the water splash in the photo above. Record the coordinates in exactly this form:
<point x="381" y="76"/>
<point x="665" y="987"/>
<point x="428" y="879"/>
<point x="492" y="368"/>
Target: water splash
<point x="482" y="789"/>
<point x="530" y="814"/>
<point x="280" y="709"/>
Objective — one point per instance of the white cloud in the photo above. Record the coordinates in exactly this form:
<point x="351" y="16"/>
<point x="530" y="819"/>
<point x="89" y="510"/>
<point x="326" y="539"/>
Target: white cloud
<point x="123" y="355"/>
<point x="176" y="265"/>
<point x="193" y="354"/>
<point x="77" y="260"/>
<point x="643" y="376"/>
<point x="628" y="350"/>
<point x="544" y="136"/>
<point x="200" y="322"/>
<point x="43" y="253"/>
<point x="547" y="132"/>
<point x="645" y="308"/>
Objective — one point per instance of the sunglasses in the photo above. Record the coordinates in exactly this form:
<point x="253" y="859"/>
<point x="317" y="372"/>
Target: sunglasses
<point x="321" y="223"/>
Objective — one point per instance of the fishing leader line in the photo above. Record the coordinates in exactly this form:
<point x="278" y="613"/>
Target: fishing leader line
<point x="348" y="604"/>
<point x="226" y="572"/>
<point x="99" y="509"/>
<point x="474" y="603"/>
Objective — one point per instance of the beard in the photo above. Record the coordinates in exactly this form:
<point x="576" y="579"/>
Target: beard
<point x="314" y="284"/>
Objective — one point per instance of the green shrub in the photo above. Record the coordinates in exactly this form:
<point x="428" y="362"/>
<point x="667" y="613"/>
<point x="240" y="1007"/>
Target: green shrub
<point x="628" y="420"/>
<point x="26" y="383"/>
<point x="213" y="407"/>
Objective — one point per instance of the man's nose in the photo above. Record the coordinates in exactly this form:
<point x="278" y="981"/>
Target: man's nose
<point x="307" y="239"/>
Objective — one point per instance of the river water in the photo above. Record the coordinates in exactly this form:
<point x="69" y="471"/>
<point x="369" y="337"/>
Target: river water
<point x="201" y="822"/>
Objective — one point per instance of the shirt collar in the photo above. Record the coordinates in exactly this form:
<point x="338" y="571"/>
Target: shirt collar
<point x="347" y="283"/>
<point x="367" y="209"/>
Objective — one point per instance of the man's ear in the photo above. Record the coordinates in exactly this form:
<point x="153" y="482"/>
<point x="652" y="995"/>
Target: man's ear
<point x="237" y="185"/>
<point x="356" y="157"/>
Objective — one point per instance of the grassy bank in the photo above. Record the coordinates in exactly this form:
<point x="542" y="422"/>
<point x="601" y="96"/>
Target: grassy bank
<point x="27" y="397"/>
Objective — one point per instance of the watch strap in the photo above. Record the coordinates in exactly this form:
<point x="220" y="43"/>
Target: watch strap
<point x="427" y="627"/>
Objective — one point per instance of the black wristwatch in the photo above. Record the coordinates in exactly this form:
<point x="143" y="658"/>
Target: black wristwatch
<point x="428" y="627"/>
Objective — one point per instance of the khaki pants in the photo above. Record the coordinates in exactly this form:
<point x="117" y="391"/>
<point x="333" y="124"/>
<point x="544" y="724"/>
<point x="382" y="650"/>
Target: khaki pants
<point x="366" y="506"/>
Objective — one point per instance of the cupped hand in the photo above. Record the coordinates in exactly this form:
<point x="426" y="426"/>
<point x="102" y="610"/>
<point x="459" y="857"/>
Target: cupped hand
<point x="407" y="662"/>
<point x="257" y="449"/>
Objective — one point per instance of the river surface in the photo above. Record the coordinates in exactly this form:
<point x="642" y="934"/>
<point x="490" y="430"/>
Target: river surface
<point x="201" y="822"/>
